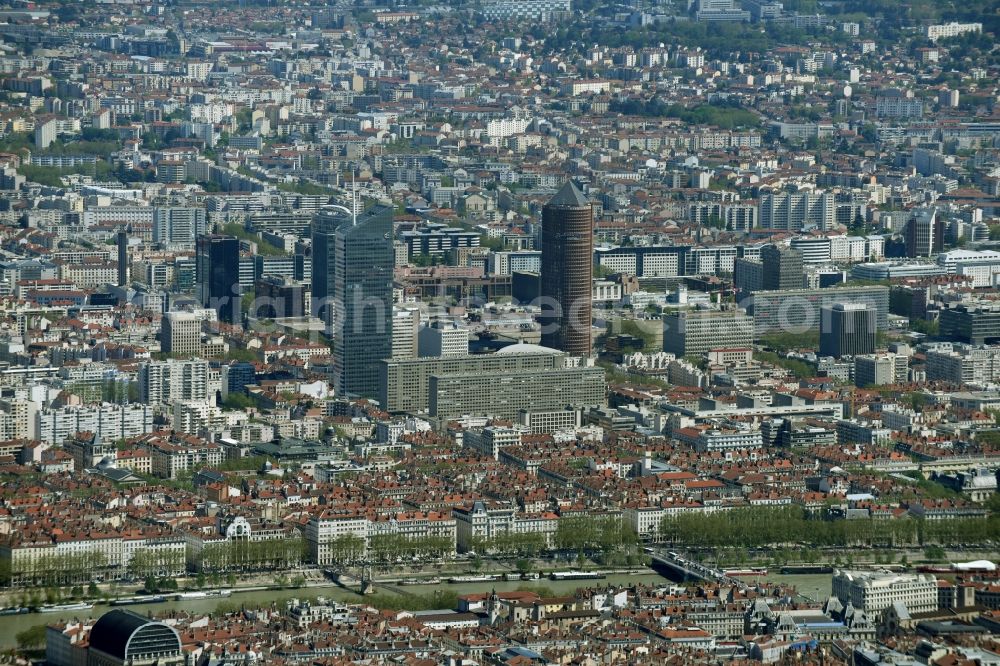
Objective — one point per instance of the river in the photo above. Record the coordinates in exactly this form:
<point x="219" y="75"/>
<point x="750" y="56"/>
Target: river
<point x="11" y="625"/>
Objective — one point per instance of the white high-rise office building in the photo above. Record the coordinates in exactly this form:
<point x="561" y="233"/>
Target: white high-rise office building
<point x="444" y="339"/>
<point x="405" y="325"/>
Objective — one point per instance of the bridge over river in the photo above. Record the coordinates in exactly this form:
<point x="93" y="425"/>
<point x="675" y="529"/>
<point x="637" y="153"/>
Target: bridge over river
<point x="677" y="568"/>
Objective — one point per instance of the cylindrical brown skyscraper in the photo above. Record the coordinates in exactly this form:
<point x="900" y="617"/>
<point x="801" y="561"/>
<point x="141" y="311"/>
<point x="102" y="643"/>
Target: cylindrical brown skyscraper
<point x="567" y="271"/>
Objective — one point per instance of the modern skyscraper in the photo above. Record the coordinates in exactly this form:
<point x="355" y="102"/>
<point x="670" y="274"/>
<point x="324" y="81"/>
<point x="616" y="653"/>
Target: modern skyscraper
<point x="217" y="273"/>
<point x="122" y="243"/>
<point x="567" y="271"/>
<point x="847" y="328"/>
<point x="352" y="288"/>
<point x="924" y="234"/>
<point x="324" y="231"/>
<point x="782" y="268"/>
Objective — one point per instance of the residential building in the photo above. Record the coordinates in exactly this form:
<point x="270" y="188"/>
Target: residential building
<point x="178" y="227"/>
<point x="953" y="29"/>
<point x="110" y="422"/>
<point x="492" y="439"/>
<point x="794" y="211"/>
<point x="162" y="382"/>
<point x="964" y="364"/>
<point x="879" y="369"/>
<point x="169" y="459"/>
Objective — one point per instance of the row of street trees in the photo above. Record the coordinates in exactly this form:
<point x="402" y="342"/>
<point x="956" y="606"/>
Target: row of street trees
<point x="389" y="548"/>
<point x="776" y="526"/>
<point x="54" y="569"/>
<point x="242" y="555"/>
<point x="510" y="544"/>
<point x="156" y="562"/>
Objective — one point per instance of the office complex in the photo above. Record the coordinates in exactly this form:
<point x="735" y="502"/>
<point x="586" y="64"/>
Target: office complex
<point x="276" y="297"/>
<point x="437" y="240"/>
<point x="405" y="332"/>
<point x="672" y="260"/>
<point x="798" y="310"/>
<point x="971" y="323"/>
<point x="781" y="268"/>
<point x="794" y="211"/>
<point x="404" y="384"/>
<point x="847" y="329"/>
<point x="180" y="333"/>
<point x="217" y="275"/>
<point x="539" y="10"/>
<point x="567" y="271"/>
<point x="873" y="591"/>
<point x="506" y="394"/>
<point x="748" y="275"/>
<point x="352" y="287"/>
<point x="443" y="338"/>
<point x="698" y="331"/>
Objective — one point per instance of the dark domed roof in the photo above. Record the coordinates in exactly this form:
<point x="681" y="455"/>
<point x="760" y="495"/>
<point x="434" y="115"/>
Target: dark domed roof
<point x="113" y="631"/>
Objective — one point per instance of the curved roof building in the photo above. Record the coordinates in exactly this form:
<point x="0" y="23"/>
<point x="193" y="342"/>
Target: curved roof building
<point x="123" y="637"/>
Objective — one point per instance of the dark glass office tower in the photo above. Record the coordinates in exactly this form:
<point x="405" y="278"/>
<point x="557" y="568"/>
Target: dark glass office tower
<point x="848" y="329"/>
<point x="567" y="271"/>
<point x="217" y="275"/>
<point x="782" y="268"/>
<point x="352" y="286"/>
<point x="324" y="231"/>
